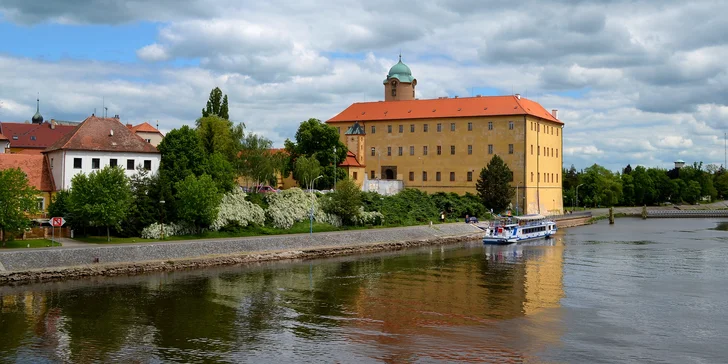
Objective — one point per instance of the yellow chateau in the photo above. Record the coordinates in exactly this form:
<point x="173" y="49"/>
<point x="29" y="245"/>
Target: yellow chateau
<point x="442" y="144"/>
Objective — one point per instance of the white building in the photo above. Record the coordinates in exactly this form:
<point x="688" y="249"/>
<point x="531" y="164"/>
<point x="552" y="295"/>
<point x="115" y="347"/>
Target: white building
<point x="95" y="144"/>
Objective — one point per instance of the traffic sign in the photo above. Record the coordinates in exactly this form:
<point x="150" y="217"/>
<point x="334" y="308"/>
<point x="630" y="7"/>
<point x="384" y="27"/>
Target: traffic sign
<point x="57" y="221"/>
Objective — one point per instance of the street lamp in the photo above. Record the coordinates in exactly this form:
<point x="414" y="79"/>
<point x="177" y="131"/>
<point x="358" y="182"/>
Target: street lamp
<point x="577" y="194"/>
<point x="161" y="227"/>
<point x="335" y="160"/>
<point x="312" y="200"/>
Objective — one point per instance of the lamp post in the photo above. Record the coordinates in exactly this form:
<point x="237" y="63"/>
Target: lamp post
<point x="311" y="214"/>
<point x="577" y="194"/>
<point x="335" y="165"/>
<point x="161" y="227"/>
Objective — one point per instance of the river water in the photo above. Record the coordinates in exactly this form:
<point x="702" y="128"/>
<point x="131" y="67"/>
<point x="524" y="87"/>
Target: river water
<point x="638" y="291"/>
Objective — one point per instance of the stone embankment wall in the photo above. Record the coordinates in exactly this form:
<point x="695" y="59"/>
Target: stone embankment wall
<point x="44" y="264"/>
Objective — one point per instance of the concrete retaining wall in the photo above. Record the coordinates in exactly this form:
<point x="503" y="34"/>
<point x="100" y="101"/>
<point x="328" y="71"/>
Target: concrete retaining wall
<point x="26" y="260"/>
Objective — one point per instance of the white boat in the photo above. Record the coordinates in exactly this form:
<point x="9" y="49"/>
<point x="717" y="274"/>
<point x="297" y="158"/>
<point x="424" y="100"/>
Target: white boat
<point x="508" y="230"/>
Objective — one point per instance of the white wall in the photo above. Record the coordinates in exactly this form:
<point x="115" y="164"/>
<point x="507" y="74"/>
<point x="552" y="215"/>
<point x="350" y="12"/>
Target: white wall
<point x="63" y="170"/>
<point x="4" y="145"/>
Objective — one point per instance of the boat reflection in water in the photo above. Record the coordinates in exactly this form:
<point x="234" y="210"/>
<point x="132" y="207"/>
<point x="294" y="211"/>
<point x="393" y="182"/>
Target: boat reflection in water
<point x="464" y="302"/>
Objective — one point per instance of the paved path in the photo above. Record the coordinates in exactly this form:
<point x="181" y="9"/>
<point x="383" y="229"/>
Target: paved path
<point x="70" y="243"/>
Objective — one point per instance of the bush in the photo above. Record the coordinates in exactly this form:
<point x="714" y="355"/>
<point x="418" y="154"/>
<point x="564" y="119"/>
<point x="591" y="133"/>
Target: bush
<point x="368" y="217"/>
<point x="344" y="202"/>
<point x="154" y="231"/>
<point x="235" y="211"/>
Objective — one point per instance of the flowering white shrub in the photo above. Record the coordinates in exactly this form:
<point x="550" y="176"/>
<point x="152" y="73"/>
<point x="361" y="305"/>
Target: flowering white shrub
<point x="154" y="231"/>
<point x="235" y="209"/>
<point x="368" y="218"/>
<point x="289" y="206"/>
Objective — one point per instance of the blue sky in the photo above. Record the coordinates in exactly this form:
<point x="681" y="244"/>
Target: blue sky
<point x="631" y="87"/>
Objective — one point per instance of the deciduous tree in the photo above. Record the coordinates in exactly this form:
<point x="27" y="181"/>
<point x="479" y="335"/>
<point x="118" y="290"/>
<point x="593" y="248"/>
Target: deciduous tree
<point x="102" y="198"/>
<point x="345" y="201"/>
<point x="315" y="138"/>
<point x="217" y="105"/>
<point x="494" y="187"/>
<point x="198" y="200"/>
<point x="17" y="200"/>
<point x="306" y="169"/>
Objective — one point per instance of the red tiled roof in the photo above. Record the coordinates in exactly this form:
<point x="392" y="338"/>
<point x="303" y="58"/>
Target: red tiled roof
<point x="95" y="134"/>
<point x="35" y="151"/>
<point x="36" y="167"/>
<point x="2" y="137"/>
<point x="144" y="127"/>
<point x="442" y="108"/>
<point x="34" y="135"/>
<point x="350" y="160"/>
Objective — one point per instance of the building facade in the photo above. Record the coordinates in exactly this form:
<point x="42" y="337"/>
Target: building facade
<point x="147" y="132"/>
<point x="442" y="144"/>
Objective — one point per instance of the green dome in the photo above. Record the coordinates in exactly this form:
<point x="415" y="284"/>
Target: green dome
<point x="401" y="72"/>
<point x="37" y="118"/>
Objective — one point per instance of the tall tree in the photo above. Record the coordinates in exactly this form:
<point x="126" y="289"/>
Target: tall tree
<point x="198" y="200"/>
<point x="305" y="170"/>
<point x="103" y="198"/>
<point x="256" y="161"/>
<point x="315" y="138"/>
<point x="17" y="199"/>
<point x="182" y="155"/>
<point x="494" y="187"/>
<point x="217" y="105"/>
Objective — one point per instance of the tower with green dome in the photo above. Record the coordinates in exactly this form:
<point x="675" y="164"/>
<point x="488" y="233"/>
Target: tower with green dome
<point x="399" y="84"/>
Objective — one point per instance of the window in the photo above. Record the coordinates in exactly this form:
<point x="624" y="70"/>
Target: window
<point x="490" y="148"/>
<point x="412" y="176"/>
<point x="452" y="126"/>
<point x="394" y="92"/>
<point x="374" y="151"/>
<point x="412" y="150"/>
<point x="425" y="128"/>
<point x="95" y="163"/>
<point x="452" y="176"/>
<point x="510" y="148"/>
<point x="510" y="178"/>
<point x="338" y="128"/>
<point x="51" y="163"/>
<point x="490" y="125"/>
<point x="148" y="165"/>
<point x="371" y="174"/>
<point x="452" y="149"/>
<point x="531" y="149"/>
<point x="439" y="127"/>
<point x="401" y="128"/>
<point x="148" y="140"/>
<point x="374" y="129"/>
<point x="389" y="151"/>
<point x="412" y="128"/>
<point x="32" y="137"/>
<point x="470" y="176"/>
<point x="510" y="125"/>
<point x="40" y="204"/>
<point x="424" y="150"/>
<point x="424" y="176"/>
<point x="400" y="151"/>
<point x="470" y="149"/>
<point x="439" y="149"/>
<point x="557" y="153"/>
<point x="112" y="162"/>
<point x="531" y="176"/>
<point x="355" y="176"/>
<point x="129" y="164"/>
<point x="389" y="129"/>
<point x="470" y="126"/>
<point x="437" y="176"/>
<point x="77" y="163"/>
<point x="15" y="137"/>
<point x="557" y="131"/>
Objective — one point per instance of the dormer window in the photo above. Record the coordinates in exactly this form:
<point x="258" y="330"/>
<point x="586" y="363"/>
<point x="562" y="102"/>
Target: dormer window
<point x="32" y="137"/>
<point x="15" y="137"/>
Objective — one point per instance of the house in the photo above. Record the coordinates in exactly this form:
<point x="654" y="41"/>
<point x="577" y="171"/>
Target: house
<point x="97" y="143"/>
<point x="147" y="132"/>
<point x="37" y="168"/>
<point x="4" y="144"/>
<point x="441" y="145"/>
<point x="32" y="138"/>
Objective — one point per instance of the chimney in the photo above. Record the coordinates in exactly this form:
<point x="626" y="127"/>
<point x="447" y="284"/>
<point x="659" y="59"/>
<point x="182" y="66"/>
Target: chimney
<point x="518" y="96"/>
<point x="116" y="116"/>
<point x="478" y="95"/>
<point x="456" y="96"/>
<point x="555" y="113"/>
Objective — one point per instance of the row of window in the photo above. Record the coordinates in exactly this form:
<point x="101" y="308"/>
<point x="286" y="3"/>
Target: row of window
<point x="426" y="127"/>
<point x="548" y="129"/>
<point x="425" y="150"/>
<point x="96" y="163"/>
<point x="547" y="177"/>
<point x="534" y="230"/>
<point x="547" y="151"/>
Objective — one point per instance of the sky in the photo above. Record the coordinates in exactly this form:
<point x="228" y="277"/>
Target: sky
<point x="640" y="83"/>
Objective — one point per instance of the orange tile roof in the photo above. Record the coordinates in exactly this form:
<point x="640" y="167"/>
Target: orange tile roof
<point x="2" y="137"/>
<point x="144" y="127"/>
<point x="443" y="108"/>
<point x="36" y="167"/>
<point x="35" y="151"/>
<point x="350" y="160"/>
<point x="94" y="133"/>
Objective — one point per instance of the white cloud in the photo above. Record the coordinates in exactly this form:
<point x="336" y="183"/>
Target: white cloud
<point x="675" y="142"/>
<point x="153" y="53"/>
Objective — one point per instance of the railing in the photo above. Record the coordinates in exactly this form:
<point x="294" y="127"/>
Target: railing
<point x="687" y="213"/>
<point x="575" y="215"/>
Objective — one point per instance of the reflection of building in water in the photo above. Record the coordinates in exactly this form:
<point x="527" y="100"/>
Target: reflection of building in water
<point x="466" y="303"/>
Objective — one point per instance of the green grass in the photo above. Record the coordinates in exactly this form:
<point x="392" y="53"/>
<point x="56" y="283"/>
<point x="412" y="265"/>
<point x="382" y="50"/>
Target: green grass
<point x="34" y="243"/>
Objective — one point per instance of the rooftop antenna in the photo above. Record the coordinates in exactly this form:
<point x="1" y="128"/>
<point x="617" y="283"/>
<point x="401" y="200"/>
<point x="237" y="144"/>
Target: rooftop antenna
<point x="106" y="111"/>
<point x="103" y="104"/>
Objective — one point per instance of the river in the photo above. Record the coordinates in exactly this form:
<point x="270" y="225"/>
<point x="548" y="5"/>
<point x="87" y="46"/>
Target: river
<point x="638" y="291"/>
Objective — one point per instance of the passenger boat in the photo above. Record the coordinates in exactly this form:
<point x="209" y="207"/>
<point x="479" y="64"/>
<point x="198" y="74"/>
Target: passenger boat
<point x="508" y="230"/>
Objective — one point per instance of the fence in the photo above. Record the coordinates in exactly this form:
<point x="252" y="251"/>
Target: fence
<point x="44" y="232"/>
<point x="382" y="186"/>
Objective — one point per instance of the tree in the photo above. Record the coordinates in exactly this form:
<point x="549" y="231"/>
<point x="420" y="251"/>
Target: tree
<point x="103" y="198"/>
<point x="494" y="187"/>
<point x="306" y="169"/>
<point x="198" y="200"/>
<point x="602" y="187"/>
<point x="256" y="161"/>
<point x="145" y="208"/>
<point x="221" y="171"/>
<point x="217" y="105"/>
<point x="182" y="155"/>
<point x="345" y="201"/>
<point x="315" y="138"/>
<point x="17" y="200"/>
<point x="218" y="135"/>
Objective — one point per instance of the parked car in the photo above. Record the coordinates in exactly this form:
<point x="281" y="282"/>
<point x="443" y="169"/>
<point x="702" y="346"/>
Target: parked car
<point x="265" y="189"/>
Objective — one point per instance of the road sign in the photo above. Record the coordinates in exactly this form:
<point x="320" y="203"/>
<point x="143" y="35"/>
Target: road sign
<point x="57" y="221"/>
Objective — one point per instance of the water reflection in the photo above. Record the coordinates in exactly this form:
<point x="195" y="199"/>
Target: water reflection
<point x="464" y="302"/>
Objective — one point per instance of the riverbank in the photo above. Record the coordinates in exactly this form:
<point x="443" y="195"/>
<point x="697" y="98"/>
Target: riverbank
<point x="53" y="264"/>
